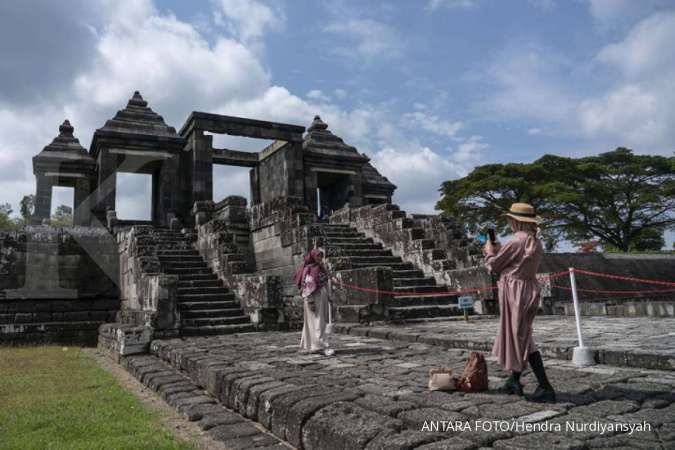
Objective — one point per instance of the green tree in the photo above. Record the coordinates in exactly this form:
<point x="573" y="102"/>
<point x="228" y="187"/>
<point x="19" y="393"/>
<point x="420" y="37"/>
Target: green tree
<point x="63" y="216"/>
<point x="27" y="207"/>
<point x="616" y="197"/>
<point x="6" y="223"/>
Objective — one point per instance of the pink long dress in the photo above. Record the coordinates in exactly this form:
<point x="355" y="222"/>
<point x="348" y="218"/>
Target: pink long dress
<point x="517" y="263"/>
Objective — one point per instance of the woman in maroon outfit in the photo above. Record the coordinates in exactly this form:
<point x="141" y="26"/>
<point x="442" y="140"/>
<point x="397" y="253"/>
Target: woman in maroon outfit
<point x="517" y="263"/>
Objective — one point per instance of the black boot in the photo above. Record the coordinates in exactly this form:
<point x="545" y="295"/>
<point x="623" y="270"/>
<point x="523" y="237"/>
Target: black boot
<point x="512" y="386"/>
<point x="544" y="392"/>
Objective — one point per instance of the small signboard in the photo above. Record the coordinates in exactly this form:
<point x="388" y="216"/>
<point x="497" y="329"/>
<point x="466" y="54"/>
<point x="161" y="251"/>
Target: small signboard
<point x="465" y="301"/>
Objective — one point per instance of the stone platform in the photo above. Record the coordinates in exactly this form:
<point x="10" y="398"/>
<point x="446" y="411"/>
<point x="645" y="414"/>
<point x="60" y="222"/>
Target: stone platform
<point x="373" y="394"/>
<point x="643" y="342"/>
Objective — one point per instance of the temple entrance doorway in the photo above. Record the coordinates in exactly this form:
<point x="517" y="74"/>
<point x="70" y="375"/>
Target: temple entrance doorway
<point x="135" y="196"/>
<point x="63" y="205"/>
<point x="333" y="191"/>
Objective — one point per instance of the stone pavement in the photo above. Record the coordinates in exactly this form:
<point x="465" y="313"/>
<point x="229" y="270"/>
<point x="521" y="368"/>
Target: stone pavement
<point x="644" y="342"/>
<point x="373" y="394"/>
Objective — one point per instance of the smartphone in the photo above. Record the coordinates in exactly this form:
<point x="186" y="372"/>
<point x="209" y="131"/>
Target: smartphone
<point x="491" y="235"/>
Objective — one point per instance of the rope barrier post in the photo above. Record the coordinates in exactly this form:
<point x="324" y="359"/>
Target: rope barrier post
<point x="581" y="356"/>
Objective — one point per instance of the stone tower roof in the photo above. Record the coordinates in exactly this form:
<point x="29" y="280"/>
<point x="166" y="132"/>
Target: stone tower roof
<point x="321" y="141"/>
<point x="64" y="149"/>
<point x="138" y="118"/>
<point x="137" y="124"/>
<point x="372" y="177"/>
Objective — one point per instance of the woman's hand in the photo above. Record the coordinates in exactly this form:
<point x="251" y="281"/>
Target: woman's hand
<point x="490" y="248"/>
<point x="311" y="305"/>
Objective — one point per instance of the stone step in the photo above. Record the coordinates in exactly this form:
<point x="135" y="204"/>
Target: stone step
<point x="414" y="300"/>
<point x="180" y="264"/>
<point x="210" y="283"/>
<point x="393" y="267"/>
<point x="203" y="313"/>
<point x="202" y="305"/>
<point x="420" y="289"/>
<point x="381" y="260"/>
<point x="209" y="290"/>
<point x="422" y="312"/>
<point x="422" y="281"/>
<point x="342" y="240"/>
<point x="357" y="246"/>
<point x="187" y="271"/>
<point x="205" y="297"/>
<point x="342" y="234"/>
<point x="196" y="277"/>
<point x="168" y="259"/>
<point x="214" y="321"/>
<point x="219" y="329"/>
<point x="351" y="252"/>
<point x="405" y="274"/>
<point x="177" y="251"/>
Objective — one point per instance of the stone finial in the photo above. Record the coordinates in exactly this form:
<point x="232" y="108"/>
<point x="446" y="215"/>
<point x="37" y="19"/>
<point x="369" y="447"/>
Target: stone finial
<point x="137" y="100"/>
<point x="66" y="129"/>
<point x="317" y="124"/>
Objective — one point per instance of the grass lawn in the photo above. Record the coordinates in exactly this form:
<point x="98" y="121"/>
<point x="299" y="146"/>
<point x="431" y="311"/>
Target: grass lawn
<point x="57" y="398"/>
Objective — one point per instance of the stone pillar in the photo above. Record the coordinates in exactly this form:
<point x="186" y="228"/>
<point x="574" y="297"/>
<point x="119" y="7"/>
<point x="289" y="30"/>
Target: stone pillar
<point x="202" y="170"/>
<point x="107" y="181"/>
<point x="255" y="186"/>
<point x="82" y="203"/>
<point x="311" y="183"/>
<point x="43" y="199"/>
<point x="165" y="181"/>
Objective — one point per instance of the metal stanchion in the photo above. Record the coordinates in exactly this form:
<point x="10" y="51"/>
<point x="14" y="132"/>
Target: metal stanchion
<point x="581" y="356"/>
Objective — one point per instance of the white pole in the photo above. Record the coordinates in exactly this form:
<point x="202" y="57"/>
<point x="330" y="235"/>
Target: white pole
<point x="575" y="299"/>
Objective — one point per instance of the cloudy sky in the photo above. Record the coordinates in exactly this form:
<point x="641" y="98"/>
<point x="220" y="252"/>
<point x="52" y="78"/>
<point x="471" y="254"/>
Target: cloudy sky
<point x="427" y="88"/>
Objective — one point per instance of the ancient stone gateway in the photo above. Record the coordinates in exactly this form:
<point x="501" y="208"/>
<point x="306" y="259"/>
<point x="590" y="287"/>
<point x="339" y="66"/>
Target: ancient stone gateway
<point x="202" y="266"/>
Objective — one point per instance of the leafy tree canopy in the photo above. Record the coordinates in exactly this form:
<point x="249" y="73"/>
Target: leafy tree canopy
<point x="63" y="216"/>
<point x="626" y="201"/>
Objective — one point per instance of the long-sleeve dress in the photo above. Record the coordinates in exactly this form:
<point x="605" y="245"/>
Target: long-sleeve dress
<point x="314" y="328"/>
<point x="517" y="263"/>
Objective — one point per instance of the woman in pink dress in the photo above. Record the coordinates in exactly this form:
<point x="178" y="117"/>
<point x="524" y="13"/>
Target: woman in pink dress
<point x="312" y="280"/>
<point x="517" y="263"/>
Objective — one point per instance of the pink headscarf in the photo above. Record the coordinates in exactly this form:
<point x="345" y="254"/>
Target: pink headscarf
<point x="312" y="267"/>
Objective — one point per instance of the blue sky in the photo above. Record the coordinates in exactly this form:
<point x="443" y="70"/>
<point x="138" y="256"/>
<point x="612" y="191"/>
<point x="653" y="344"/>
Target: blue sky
<point x="428" y="89"/>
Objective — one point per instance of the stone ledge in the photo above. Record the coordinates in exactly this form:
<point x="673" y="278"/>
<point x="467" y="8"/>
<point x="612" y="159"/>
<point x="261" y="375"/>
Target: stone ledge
<point x="196" y="405"/>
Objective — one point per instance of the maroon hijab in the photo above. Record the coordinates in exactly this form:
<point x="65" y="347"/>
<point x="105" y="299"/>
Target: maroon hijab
<point x="312" y="267"/>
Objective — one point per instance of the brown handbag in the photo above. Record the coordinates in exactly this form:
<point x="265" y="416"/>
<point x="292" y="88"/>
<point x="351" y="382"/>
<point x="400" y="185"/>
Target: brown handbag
<point x="474" y="377"/>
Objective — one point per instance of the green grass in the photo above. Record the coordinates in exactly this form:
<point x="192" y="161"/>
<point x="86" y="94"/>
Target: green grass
<point x="51" y="398"/>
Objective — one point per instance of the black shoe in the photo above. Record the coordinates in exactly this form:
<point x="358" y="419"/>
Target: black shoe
<point x="542" y="395"/>
<point x="511" y="387"/>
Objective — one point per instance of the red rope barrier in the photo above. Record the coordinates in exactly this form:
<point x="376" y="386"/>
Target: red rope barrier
<point x="547" y="277"/>
<point x="603" y="291"/>
<point x="624" y="278"/>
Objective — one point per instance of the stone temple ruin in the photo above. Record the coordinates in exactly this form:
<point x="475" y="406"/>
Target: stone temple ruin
<point x="202" y="266"/>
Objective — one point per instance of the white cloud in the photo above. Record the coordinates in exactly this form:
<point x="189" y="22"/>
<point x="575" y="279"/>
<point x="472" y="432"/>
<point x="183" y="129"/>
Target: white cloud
<point x="468" y="154"/>
<point x="639" y="111"/>
<point x="534" y="131"/>
<point x="433" y="5"/>
<point x="248" y="20"/>
<point x="432" y="123"/>
<point x="528" y="84"/>
<point x="318" y="95"/>
<point x="418" y="172"/>
<point x="609" y="12"/>
<point x="645" y="51"/>
<point x="340" y="93"/>
<point x="368" y="39"/>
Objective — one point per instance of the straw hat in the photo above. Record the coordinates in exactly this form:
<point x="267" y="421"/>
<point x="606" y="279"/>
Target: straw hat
<point x="523" y="212"/>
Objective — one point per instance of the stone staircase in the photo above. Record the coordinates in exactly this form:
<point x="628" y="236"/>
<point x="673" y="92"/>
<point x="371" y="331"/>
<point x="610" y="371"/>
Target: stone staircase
<point x="345" y="242"/>
<point x="206" y="307"/>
